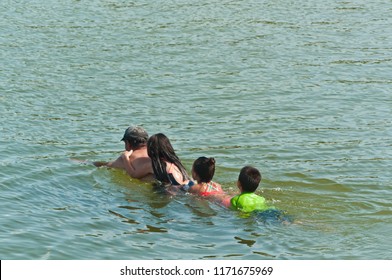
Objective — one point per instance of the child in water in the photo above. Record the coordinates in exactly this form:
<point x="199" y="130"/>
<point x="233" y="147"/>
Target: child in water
<point x="248" y="181"/>
<point x="251" y="203"/>
<point x="203" y="171"/>
<point x="247" y="201"/>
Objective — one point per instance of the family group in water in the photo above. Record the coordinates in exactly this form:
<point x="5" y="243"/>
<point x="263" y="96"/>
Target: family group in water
<point x="153" y="158"/>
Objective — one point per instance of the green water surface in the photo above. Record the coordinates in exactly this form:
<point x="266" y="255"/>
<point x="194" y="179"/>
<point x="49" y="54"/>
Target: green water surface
<point x="299" y="89"/>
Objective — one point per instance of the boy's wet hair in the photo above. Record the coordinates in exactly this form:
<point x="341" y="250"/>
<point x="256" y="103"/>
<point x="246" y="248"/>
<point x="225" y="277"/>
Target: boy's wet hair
<point x="249" y="178"/>
<point x="204" y="168"/>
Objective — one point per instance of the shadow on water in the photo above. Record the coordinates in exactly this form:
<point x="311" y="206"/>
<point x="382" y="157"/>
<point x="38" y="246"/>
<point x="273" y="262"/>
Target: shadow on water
<point x="272" y="217"/>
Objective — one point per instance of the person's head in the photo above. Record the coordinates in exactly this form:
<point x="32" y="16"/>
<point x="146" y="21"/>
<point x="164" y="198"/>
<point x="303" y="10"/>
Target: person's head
<point x="203" y="169"/>
<point x="160" y="151"/>
<point x="249" y="179"/>
<point x="159" y="147"/>
<point x="134" y="137"/>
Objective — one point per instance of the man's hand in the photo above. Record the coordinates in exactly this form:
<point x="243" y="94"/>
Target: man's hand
<point x="126" y="154"/>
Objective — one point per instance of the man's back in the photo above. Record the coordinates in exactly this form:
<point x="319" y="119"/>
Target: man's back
<point x="141" y="164"/>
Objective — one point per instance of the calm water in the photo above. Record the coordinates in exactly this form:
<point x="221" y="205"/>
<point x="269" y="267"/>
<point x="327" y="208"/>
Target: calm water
<point x="299" y="89"/>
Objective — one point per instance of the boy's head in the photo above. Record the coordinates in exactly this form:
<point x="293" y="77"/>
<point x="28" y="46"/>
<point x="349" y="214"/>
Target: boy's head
<point x="203" y="169"/>
<point x="249" y="179"/>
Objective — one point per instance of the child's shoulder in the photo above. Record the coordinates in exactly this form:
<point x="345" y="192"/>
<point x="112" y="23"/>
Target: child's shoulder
<point x="194" y="187"/>
<point x="216" y="186"/>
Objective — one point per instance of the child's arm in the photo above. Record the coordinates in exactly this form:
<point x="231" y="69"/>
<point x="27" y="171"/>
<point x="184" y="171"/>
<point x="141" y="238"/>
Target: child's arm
<point x="226" y="202"/>
<point x="195" y="189"/>
<point x="223" y="199"/>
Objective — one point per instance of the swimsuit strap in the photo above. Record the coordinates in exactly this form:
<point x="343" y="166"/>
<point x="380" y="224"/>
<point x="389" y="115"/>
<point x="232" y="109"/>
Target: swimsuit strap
<point x="170" y="168"/>
<point x="173" y="180"/>
<point x="210" y="186"/>
<point x="207" y="186"/>
<point x="170" y="175"/>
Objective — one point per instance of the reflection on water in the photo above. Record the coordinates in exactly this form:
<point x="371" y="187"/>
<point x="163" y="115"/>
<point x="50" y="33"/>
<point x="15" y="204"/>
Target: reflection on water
<point x="151" y="229"/>
<point x="124" y="219"/>
<point x="249" y="243"/>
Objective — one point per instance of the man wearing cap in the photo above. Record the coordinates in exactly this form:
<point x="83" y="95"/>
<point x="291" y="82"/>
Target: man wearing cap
<point x="134" y="160"/>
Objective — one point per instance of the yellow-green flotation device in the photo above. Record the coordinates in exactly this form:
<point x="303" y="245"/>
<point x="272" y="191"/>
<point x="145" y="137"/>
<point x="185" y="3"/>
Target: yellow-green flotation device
<point x="249" y="202"/>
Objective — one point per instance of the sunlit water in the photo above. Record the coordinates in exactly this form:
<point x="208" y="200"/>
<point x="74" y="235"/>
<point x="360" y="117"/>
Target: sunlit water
<point x="299" y="89"/>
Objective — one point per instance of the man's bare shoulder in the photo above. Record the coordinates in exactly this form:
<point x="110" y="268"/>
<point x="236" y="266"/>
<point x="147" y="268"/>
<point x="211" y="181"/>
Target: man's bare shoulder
<point x="140" y="153"/>
<point x="141" y="161"/>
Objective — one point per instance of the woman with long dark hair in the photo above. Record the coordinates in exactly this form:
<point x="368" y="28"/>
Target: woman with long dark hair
<point x="166" y="165"/>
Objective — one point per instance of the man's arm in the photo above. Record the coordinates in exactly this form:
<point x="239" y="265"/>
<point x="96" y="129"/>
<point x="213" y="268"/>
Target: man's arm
<point x="137" y="168"/>
<point x="118" y="163"/>
<point x="100" y="163"/>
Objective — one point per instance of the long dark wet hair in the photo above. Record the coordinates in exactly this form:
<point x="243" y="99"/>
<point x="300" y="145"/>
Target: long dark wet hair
<point x="160" y="150"/>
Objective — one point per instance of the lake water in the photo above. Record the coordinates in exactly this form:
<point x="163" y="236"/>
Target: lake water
<point x="301" y="90"/>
